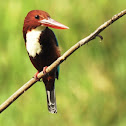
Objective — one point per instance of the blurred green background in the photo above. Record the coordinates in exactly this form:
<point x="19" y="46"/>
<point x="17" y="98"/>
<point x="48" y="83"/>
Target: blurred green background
<point x="91" y="88"/>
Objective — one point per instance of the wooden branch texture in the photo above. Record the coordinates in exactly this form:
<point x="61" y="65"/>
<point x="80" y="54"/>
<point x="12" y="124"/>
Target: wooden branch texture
<point x="50" y="68"/>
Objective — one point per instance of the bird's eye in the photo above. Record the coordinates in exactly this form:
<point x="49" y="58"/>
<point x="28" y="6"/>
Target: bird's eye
<point x="37" y="16"/>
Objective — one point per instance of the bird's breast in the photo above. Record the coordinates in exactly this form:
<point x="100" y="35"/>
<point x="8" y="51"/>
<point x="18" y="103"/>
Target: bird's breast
<point x="32" y="41"/>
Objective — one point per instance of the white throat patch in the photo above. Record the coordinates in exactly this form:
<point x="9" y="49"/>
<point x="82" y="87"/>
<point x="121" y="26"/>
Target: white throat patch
<point x="32" y="41"/>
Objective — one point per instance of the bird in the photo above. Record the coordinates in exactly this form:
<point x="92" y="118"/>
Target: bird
<point x="42" y="48"/>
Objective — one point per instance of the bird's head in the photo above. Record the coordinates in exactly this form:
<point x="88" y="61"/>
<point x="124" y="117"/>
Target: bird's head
<point x="39" y="18"/>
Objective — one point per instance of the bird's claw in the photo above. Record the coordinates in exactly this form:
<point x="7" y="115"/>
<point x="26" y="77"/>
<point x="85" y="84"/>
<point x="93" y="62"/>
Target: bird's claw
<point x="36" y="76"/>
<point x="44" y="69"/>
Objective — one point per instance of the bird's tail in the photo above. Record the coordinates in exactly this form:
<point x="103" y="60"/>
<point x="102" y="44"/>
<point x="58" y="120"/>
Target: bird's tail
<point x="50" y="92"/>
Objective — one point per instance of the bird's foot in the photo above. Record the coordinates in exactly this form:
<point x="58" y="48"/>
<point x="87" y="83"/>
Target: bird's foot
<point x="36" y="76"/>
<point x="44" y="69"/>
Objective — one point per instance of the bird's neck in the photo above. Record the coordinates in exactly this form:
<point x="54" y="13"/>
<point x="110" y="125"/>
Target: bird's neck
<point x="32" y="41"/>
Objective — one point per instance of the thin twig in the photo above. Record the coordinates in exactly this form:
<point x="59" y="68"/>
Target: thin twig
<point x="31" y="82"/>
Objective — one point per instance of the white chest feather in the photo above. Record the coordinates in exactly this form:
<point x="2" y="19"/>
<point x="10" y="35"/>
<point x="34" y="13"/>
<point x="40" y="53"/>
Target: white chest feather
<point x="32" y="41"/>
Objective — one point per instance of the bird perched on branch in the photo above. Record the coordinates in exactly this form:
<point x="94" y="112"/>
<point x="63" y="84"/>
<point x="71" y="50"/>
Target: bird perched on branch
<point x="42" y="48"/>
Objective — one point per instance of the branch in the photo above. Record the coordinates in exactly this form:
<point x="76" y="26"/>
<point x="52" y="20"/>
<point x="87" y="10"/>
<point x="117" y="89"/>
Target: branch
<point x="50" y="68"/>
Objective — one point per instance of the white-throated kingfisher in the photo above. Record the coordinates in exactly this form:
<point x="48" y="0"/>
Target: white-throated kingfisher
<point x="42" y="48"/>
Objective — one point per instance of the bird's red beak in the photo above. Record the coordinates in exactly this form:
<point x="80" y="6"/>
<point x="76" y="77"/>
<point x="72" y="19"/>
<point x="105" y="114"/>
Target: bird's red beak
<point x="53" y="24"/>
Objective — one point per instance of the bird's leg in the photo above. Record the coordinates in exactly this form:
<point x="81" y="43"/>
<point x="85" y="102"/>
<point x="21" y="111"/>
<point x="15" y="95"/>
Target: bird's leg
<point x="35" y="76"/>
<point x="44" y="69"/>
